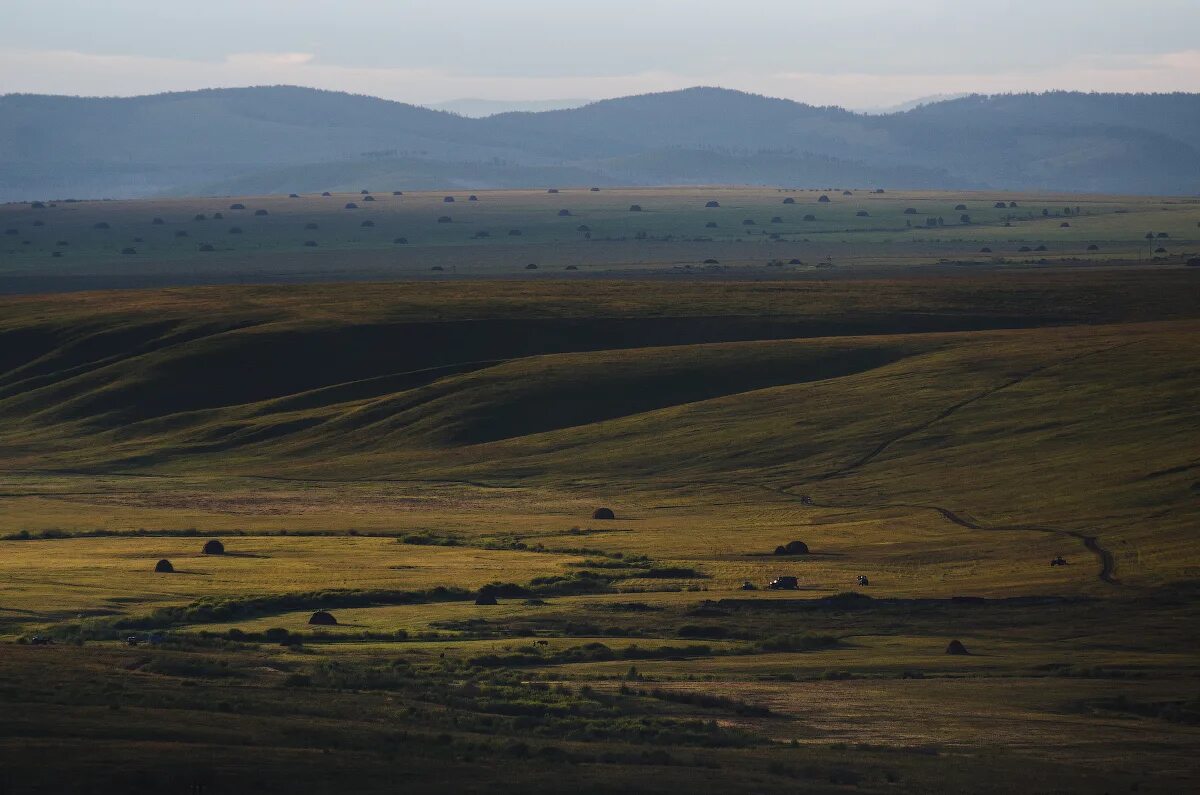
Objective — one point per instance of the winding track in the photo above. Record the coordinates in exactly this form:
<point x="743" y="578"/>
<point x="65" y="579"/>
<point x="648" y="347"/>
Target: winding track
<point x="1106" y="559"/>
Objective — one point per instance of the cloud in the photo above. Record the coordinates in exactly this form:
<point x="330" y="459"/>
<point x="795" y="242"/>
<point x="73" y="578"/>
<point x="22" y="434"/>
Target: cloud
<point x="70" y="72"/>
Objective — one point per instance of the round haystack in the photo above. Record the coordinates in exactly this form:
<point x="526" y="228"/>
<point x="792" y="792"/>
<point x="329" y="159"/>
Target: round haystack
<point x="564" y="213"/>
<point x="485" y="598"/>
<point x="531" y="266"/>
<point x="960" y="207"/>
<point x="594" y="190"/>
<point x="823" y="199"/>
<point x="326" y="193"/>
<point x="323" y="618"/>
<point x="397" y="193"/>
<point x="199" y="217"/>
<point x="847" y="193"/>
<point x="795" y="261"/>
<point x="206" y="247"/>
<point x="583" y="228"/>
<point x="789" y="200"/>
<point x="351" y="206"/>
<point x="780" y="550"/>
<point x="218" y="216"/>
<point x="1065" y="225"/>
<point x="956" y="647"/>
<point x="128" y="251"/>
<point x="293" y="195"/>
<point x="552" y="190"/>
<point x="472" y="198"/>
<point x="777" y="219"/>
<point x="448" y="200"/>
<point x="164" y="567"/>
<point x="999" y="205"/>
<point x="711" y="225"/>
<point x="862" y="214"/>
<point x="796" y="548"/>
<point x="1093" y="247"/>
<point x="368" y="198"/>
<point x="514" y="233"/>
<point x="364" y="191"/>
<point x="635" y="208"/>
<point x="444" y="219"/>
<point x="910" y="210"/>
<point x="400" y="241"/>
<point x="985" y="250"/>
<point x="810" y="218"/>
<point x="213" y="547"/>
<point x="261" y="212"/>
<point x="712" y="261"/>
<point x="310" y="243"/>
<point x="158" y="222"/>
<point x="748" y="222"/>
<point x="603" y="513"/>
<point x="437" y="268"/>
<point x="237" y="206"/>
<point x="1012" y="204"/>
<point x="712" y="204"/>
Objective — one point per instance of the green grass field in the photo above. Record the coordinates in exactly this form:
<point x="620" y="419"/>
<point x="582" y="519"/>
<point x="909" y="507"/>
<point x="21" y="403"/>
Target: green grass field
<point x="752" y="233"/>
<point x="383" y="451"/>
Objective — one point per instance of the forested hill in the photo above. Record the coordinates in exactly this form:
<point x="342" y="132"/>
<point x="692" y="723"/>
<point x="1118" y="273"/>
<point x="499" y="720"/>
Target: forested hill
<point x="272" y="139"/>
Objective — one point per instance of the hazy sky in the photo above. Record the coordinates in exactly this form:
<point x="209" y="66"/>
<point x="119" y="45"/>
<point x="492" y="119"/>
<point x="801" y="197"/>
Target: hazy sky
<point x="857" y="53"/>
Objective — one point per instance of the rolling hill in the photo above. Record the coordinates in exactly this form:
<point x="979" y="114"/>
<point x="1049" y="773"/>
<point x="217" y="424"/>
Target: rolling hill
<point x="283" y="138"/>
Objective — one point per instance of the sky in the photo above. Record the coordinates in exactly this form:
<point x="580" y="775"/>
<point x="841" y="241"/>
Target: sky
<point x="854" y="53"/>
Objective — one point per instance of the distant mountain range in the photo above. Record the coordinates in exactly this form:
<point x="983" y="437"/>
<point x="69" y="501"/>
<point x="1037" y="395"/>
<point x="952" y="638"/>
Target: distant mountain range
<point x="288" y="139"/>
<point x="479" y="108"/>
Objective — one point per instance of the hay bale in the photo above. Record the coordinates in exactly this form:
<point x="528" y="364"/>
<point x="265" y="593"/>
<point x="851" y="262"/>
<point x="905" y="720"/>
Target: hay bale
<point x="128" y="251"/>
<point x="447" y="200"/>
<point x="1093" y="247"/>
<point x="199" y="217"/>
<point x="748" y="222"/>
<point x="237" y="206"/>
<point x="910" y="210"/>
<point x="594" y="190"/>
<point x="326" y="193"/>
<point x="472" y="198"/>
<point x="397" y="193"/>
<point x="351" y="206"/>
<point x="603" y="513"/>
<point x="712" y="204"/>
<point x="956" y="647"/>
<point x="323" y="618"/>
<point x="777" y="219"/>
<point x="796" y="548"/>
<point x="563" y="213"/>
<point x="531" y="266"/>
<point x="711" y="225"/>
<point x="635" y="208"/>
<point x="985" y="250"/>
<point x="164" y="567"/>
<point x="862" y="214"/>
<point x="213" y="547"/>
<point x="823" y="199"/>
<point x="789" y="200"/>
<point x="261" y="212"/>
<point x="810" y="218"/>
<point x="310" y="243"/>
<point x="400" y="241"/>
<point x="514" y="233"/>
<point x="552" y="190"/>
<point x="368" y="198"/>
<point x="958" y="208"/>
<point x="485" y="598"/>
<point x="293" y="195"/>
<point x="157" y="222"/>
<point x="445" y="219"/>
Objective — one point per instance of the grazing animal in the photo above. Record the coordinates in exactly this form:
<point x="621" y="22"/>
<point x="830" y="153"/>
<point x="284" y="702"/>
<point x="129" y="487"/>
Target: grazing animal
<point x="863" y="580"/>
